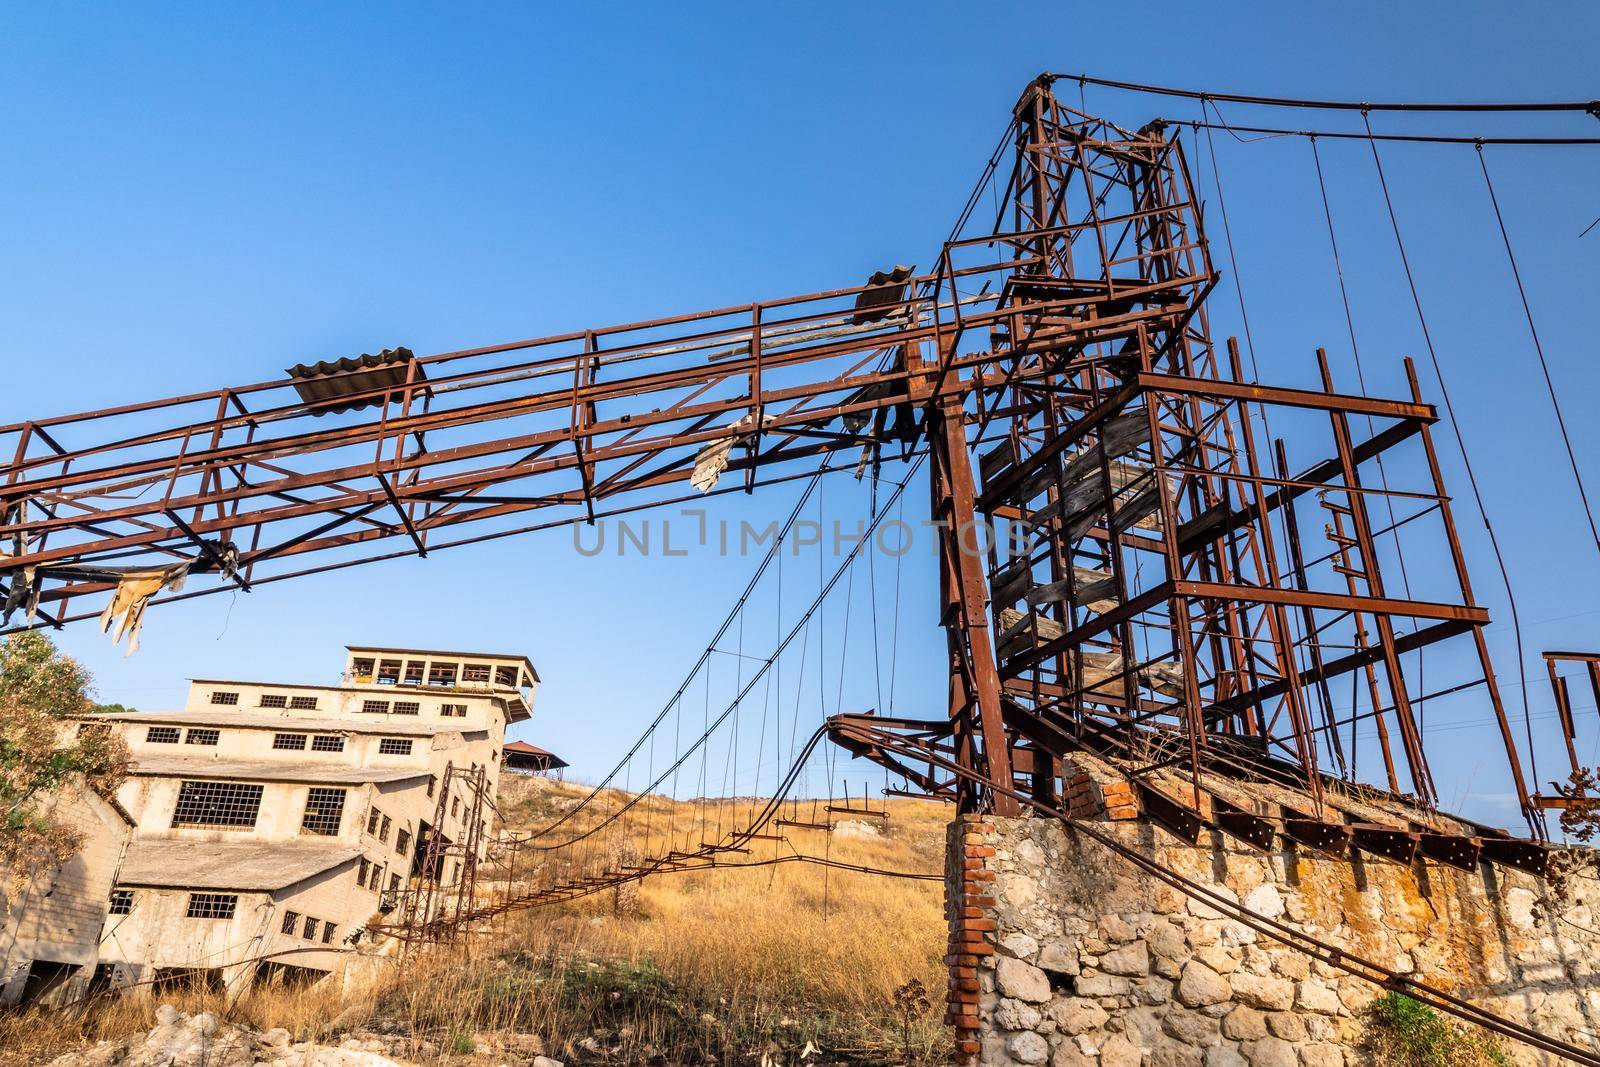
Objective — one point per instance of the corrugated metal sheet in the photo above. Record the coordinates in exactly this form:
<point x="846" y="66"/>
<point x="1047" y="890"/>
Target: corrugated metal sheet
<point x="873" y="304"/>
<point x="332" y="379"/>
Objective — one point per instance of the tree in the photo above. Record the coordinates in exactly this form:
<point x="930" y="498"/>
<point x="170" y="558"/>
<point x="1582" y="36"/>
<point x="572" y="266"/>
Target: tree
<point x="43" y="755"/>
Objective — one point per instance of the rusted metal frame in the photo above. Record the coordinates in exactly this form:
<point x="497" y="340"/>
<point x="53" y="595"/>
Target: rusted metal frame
<point x="1318" y="474"/>
<point x="37" y="425"/>
<point x="1333" y="668"/>
<point x="1411" y="739"/>
<point x="477" y="414"/>
<point x="1327" y="400"/>
<point x="757" y="408"/>
<point x="466" y="452"/>
<point x="1308" y="620"/>
<point x="296" y="547"/>
<point x="1558" y="686"/>
<point x="505" y="444"/>
<point x="969" y="628"/>
<point x="1535" y="821"/>
<point x="1289" y="666"/>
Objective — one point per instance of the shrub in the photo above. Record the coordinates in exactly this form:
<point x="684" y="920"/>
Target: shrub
<point x="1402" y="1032"/>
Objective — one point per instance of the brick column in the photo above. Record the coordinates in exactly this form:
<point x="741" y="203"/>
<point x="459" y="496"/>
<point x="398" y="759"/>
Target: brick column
<point x="969" y="911"/>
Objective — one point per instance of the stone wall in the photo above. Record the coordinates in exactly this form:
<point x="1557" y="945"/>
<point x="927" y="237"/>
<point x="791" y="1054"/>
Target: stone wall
<point x="1063" y="953"/>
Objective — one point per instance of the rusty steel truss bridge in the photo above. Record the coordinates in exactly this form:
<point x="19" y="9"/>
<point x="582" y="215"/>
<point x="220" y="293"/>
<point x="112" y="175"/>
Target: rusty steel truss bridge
<point x="1197" y="555"/>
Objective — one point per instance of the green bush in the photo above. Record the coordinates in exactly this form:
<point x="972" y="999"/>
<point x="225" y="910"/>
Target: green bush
<point x="1402" y="1032"/>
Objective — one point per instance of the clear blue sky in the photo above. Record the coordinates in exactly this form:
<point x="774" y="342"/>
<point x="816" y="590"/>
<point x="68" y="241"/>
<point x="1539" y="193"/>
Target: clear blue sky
<point x="196" y="196"/>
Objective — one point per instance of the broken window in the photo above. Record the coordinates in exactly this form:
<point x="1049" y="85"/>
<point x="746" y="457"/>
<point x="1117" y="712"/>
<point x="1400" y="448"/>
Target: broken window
<point x="455" y="806"/>
<point x="383" y="831"/>
<point x="290" y="920"/>
<point x="406" y="707"/>
<point x="362" y="669"/>
<point x="388" y="672"/>
<point x="456" y="711"/>
<point x="324" y="809"/>
<point x="327" y="933"/>
<point x="121" y="901"/>
<point x="394" y="746"/>
<point x="375" y="707"/>
<point x="274" y="700"/>
<point x="394" y="883"/>
<point x="211" y="905"/>
<point x="302" y="703"/>
<point x="327" y="743"/>
<point x="310" y="933"/>
<point x="290" y="742"/>
<point x="402" y="842"/>
<point x="201" y="737"/>
<point x="161" y="735"/>
<point x="217" y="804"/>
<point x="506" y="676"/>
<point x="227" y="699"/>
<point x="414" y="670"/>
<point x="442" y="674"/>
<point x="361" y="875"/>
<point x="433" y="783"/>
<point x="477" y="673"/>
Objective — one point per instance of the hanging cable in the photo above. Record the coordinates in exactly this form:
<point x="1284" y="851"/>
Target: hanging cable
<point x="1590" y="106"/>
<point x="1538" y="347"/>
<point x="1461" y="444"/>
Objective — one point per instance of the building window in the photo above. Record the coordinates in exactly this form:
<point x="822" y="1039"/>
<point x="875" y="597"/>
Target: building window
<point x="361" y="876"/>
<point x="121" y="901"/>
<point x="433" y="783"/>
<point x="291" y="919"/>
<point x="442" y="674"/>
<point x="362" y="669"/>
<point x="453" y="711"/>
<point x="402" y="841"/>
<point x="217" y="804"/>
<point x="394" y="746"/>
<point x="506" y="676"/>
<point x="383" y="831"/>
<point x="373" y="815"/>
<point x="375" y="707"/>
<point x="310" y="929"/>
<point x="201" y="737"/>
<point x="211" y="905"/>
<point x="327" y="933"/>
<point x="324" y="809"/>
<point x="406" y="707"/>
<point x="274" y="700"/>
<point x="477" y="673"/>
<point x="303" y="703"/>
<point x="327" y="743"/>
<point x="414" y="668"/>
<point x="161" y="735"/>
<point x="455" y="806"/>
<point x="394" y="883"/>
<point x="227" y="699"/>
<point x="388" y="672"/>
<point x="289" y="742"/>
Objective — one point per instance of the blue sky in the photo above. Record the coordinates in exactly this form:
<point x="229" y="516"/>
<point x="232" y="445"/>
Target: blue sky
<point x="197" y="196"/>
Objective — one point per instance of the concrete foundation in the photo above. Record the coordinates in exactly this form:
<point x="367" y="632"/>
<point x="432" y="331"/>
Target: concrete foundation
<point x="1063" y="953"/>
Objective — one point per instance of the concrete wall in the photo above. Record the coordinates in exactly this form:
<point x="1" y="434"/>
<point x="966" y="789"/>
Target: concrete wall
<point x="1063" y="953"/>
<point x="57" y="915"/>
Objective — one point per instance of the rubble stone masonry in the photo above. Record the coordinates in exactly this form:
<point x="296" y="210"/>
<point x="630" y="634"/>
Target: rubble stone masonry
<point x="1062" y="953"/>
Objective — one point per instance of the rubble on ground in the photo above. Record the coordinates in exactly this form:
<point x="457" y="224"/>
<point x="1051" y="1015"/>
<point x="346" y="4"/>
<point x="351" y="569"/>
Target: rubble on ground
<point x="201" y="1040"/>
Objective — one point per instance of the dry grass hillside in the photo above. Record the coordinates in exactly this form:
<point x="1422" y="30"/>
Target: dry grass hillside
<point x="789" y="963"/>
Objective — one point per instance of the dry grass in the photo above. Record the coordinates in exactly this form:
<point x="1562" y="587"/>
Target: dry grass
<point x="707" y="966"/>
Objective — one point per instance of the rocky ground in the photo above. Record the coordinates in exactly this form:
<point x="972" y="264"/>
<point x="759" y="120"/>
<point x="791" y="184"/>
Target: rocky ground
<point x="201" y="1040"/>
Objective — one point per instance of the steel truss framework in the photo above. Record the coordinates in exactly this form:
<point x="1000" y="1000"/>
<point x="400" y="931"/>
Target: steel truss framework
<point x="1176" y="594"/>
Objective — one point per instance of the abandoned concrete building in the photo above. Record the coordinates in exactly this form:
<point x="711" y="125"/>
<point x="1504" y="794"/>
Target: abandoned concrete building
<point x="273" y="822"/>
<point x="50" y="921"/>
